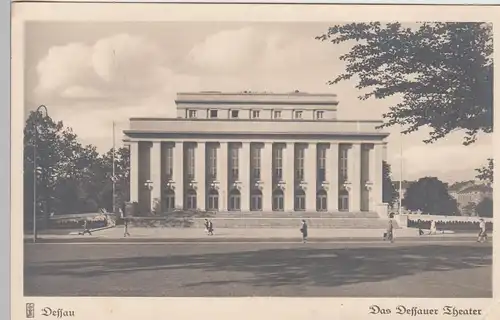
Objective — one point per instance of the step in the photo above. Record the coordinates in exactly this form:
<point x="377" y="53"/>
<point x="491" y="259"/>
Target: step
<point x="333" y="223"/>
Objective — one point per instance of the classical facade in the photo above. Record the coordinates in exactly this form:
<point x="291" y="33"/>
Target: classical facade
<point x="244" y="152"/>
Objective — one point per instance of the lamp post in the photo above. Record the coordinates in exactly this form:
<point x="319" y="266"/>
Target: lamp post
<point x="35" y="167"/>
<point x="401" y="171"/>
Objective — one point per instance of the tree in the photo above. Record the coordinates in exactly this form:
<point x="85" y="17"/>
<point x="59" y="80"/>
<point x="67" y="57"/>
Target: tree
<point x="442" y="71"/>
<point x="469" y="209"/>
<point x="486" y="173"/>
<point x="485" y="208"/>
<point x="389" y="192"/>
<point x="55" y="148"/>
<point x="71" y="178"/>
<point x="430" y="195"/>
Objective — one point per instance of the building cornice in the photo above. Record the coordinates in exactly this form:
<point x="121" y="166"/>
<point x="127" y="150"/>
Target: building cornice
<point x="380" y="122"/>
<point x="150" y="134"/>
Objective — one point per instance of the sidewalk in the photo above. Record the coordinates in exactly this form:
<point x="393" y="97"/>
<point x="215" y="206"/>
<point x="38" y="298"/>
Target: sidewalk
<point x="246" y="235"/>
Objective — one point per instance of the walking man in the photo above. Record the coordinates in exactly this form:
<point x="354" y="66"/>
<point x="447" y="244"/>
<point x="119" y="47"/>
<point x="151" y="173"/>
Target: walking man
<point x="482" y="237"/>
<point x="210" y="228"/>
<point x="303" y="230"/>
<point x="389" y="235"/>
<point x="125" y="231"/>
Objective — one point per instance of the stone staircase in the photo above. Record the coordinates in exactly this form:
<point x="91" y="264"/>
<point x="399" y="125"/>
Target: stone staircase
<point x="255" y="220"/>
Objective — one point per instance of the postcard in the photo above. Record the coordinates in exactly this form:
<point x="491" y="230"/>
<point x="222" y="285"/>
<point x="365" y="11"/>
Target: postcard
<point x="288" y="161"/>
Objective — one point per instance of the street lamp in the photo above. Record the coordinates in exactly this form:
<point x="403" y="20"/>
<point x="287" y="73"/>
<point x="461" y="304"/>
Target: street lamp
<point x="35" y="166"/>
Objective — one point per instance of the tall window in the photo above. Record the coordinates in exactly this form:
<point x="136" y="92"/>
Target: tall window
<point x="212" y="162"/>
<point x="235" y="114"/>
<point x="191" y="199"/>
<point x="321" y="200"/>
<point x="321" y="163"/>
<point x="343" y="163"/>
<point x="278" y="162"/>
<point x="169" y="159"/>
<point x="169" y="197"/>
<point x="255" y="114"/>
<point x="319" y="114"/>
<point x="277" y="114"/>
<point x="300" y="200"/>
<point x="343" y="200"/>
<point x="213" y="200"/>
<point x="234" y="201"/>
<point x="298" y="114"/>
<point x="190" y="159"/>
<point x="191" y="113"/>
<point x="233" y="163"/>
<point x="256" y="152"/>
<point x="256" y="200"/>
<point x="278" y="201"/>
<point x="299" y="162"/>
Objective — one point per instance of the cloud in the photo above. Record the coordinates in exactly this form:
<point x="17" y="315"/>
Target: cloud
<point x="112" y="68"/>
<point x="257" y="50"/>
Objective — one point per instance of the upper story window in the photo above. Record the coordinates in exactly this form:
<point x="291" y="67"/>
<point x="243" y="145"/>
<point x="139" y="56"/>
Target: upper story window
<point x="191" y="113"/>
<point x="255" y="114"/>
<point x="277" y="114"/>
<point x="213" y="113"/>
<point x="320" y="114"/>
<point x="235" y="114"/>
<point x="298" y="114"/>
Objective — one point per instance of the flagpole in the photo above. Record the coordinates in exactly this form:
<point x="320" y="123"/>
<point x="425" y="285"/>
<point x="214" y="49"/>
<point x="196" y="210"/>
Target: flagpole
<point x="113" y="178"/>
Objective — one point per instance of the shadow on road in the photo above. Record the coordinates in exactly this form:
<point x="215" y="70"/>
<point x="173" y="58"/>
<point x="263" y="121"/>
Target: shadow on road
<point x="279" y="267"/>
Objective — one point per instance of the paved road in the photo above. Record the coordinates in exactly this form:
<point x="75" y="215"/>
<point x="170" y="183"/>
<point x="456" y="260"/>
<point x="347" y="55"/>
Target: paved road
<point x="259" y="269"/>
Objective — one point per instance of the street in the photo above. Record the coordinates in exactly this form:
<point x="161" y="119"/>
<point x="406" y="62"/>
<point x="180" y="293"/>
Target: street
<point x="259" y="269"/>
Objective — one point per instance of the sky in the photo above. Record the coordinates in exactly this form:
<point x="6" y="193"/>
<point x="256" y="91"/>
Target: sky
<point x="91" y="74"/>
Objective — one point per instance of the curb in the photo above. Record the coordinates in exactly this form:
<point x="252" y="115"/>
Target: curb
<point x="247" y="240"/>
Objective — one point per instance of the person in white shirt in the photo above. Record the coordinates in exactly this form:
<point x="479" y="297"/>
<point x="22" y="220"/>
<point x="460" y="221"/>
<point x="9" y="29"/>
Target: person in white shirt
<point x="433" y="229"/>
<point x="482" y="231"/>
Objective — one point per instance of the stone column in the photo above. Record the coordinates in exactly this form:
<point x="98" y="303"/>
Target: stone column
<point x="155" y="176"/>
<point x="244" y="175"/>
<point x="200" y="175"/>
<point x="332" y="174"/>
<point x="288" y="175"/>
<point x="310" y="172"/>
<point x="376" y="174"/>
<point x="222" y="176"/>
<point x="178" y="175"/>
<point x="355" y="177"/>
<point x="266" y="174"/>
<point x="134" y="171"/>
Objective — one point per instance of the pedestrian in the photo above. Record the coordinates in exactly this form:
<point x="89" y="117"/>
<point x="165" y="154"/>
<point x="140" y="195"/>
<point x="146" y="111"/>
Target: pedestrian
<point x="483" y="236"/>
<point x="125" y="231"/>
<point x="389" y="234"/>
<point x="433" y="228"/>
<point x="206" y="226"/>
<point x="303" y="230"/>
<point x="210" y="228"/>
<point x="86" y="228"/>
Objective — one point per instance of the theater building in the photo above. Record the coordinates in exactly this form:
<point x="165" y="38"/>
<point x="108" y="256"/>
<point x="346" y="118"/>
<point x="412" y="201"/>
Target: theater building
<point x="247" y="151"/>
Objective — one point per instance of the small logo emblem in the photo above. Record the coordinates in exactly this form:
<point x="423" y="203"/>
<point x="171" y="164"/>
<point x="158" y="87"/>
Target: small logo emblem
<point x="30" y="310"/>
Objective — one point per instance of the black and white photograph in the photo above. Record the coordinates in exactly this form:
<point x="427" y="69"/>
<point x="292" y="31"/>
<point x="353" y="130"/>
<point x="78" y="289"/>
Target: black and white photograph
<point x="242" y="158"/>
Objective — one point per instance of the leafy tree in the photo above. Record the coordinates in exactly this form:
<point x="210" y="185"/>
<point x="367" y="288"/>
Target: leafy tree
<point x="430" y="195"/>
<point x="469" y="209"/>
<point x="442" y="71"/>
<point x="485" y="208"/>
<point x="486" y="173"/>
<point x="72" y="178"/>
<point x="389" y="192"/>
<point x="55" y="149"/>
